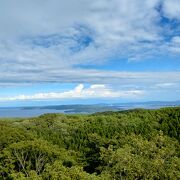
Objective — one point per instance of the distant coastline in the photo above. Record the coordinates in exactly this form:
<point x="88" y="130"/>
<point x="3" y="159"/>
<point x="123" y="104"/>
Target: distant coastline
<point x="18" y="112"/>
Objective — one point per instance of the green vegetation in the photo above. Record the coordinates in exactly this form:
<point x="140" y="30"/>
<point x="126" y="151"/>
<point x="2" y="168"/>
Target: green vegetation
<point x="134" y="144"/>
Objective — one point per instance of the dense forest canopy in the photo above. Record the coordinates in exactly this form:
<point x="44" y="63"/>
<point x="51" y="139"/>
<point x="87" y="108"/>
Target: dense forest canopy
<point x="133" y="144"/>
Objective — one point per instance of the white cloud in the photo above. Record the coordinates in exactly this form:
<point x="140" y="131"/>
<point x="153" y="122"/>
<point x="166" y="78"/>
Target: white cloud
<point x="125" y="20"/>
<point x="39" y="17"/>
<point x="174" y="45"/>
<point x="165" y="85"/>
<point x="172" y="8"/>
<point x="79" y="92"/>
<point x="42" y="41"/>
<point x="176" y="40"/>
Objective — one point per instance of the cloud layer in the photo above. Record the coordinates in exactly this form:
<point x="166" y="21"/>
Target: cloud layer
<point x="88" y="76"/>
<point x="43" y="36"/>
<point x="52" y="41"/>
<point x="79" y="92"/>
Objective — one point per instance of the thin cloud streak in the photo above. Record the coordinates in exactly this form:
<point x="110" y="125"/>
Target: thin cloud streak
<point x="91" y="76"/>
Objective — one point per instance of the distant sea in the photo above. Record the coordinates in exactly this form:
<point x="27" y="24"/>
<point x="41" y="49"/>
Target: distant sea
<point x="19" y="112"/>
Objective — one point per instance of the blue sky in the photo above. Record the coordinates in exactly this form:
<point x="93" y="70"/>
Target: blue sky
<point x="67" y="52"/>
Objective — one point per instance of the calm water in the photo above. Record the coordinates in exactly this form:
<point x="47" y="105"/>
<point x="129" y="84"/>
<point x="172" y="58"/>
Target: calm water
<point x="19" y="112"/>
<point x="36" y="111"/>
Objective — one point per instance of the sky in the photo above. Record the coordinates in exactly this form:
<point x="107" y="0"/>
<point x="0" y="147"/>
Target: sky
<point x="98" y="51"/>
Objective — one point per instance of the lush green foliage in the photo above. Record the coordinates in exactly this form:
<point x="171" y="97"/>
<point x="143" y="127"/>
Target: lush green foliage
<point x="135" y="144"/>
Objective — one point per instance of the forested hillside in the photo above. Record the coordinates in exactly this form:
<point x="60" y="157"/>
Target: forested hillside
<point x="134" y="144"/>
